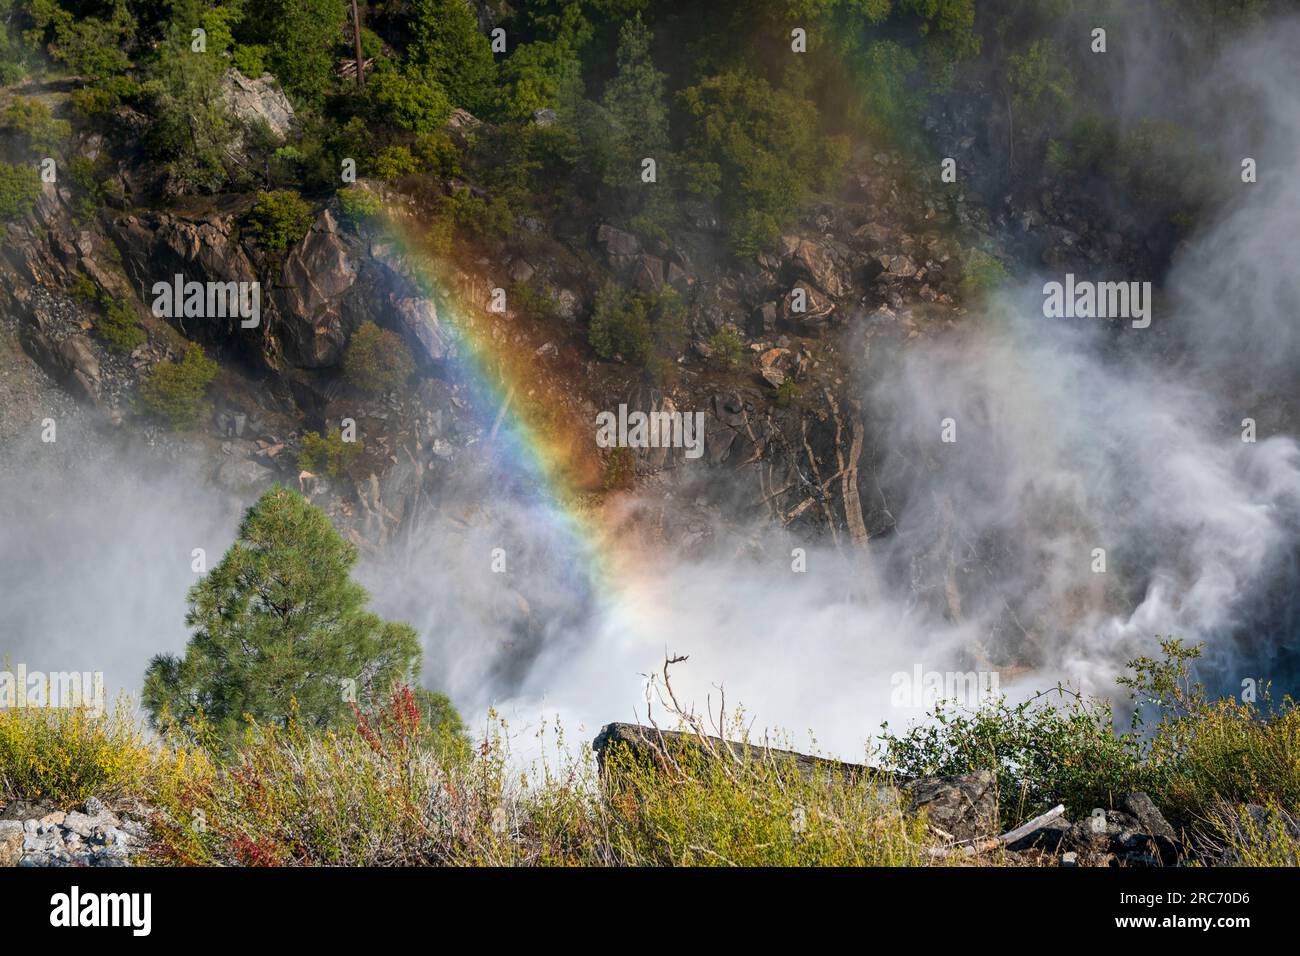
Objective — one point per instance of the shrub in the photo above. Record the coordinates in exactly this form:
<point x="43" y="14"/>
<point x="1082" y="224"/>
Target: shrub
<point x="329" y="454"/>
<point x="119" y="327"/>
<point x="643" y="328"/>
<point x="175" y="391"/>
<point x="982" y="276"/>
<point x="727" y="347"/>
<point x="376" y="360"/>
<point x="409" y="98"/>
<point x="393" y="161"/>
<point x="19" y="187"/>
<point x="358" y="204"/>
<point x="280" y="219"/>
<point x="32" y="122"/>
<point x="1198" y="755"/>
<point x="66" y="754"/>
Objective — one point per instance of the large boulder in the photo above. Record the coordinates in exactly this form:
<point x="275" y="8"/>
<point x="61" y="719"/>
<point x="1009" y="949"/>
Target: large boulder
<point x="316" y="275"/>
<point x="258" y="102"/>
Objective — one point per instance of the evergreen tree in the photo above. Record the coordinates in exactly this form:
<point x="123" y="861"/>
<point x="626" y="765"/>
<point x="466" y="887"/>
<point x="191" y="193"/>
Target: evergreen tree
<point x="445" y="38"/>
<point x="278" y="623"/>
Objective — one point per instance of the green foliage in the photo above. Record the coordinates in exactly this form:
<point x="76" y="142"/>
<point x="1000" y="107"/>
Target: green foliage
<point x="631" y="125"/>
<point x="91" y="42"/>
<point x="330" y="454"/>
<point x="280" y="219"/>
<point x="358" y="204"/>
<point x="409" y="98"/>
<point x="761" y="149"/>
<point x="445" y="40"/>
<point x="1042" y="87"/>
<point x="393" y="161"/>
<point x="119" y="327"/>
<point x="983" y="275"/>
<point x="302" y="39"/>
<point x="376" y="360"/>
<point x="191" y="126"/>
<point x="251" y="59"/>
<point x="1198" y="754"/>
<point x="535" y="77"/>
<point x="66" y="754"/>
<point x="176" y="391"/>
<point x="438" y="154"/>
<point x="788" y="394"/>
<point x="278" y="626"/>
<point x="644" y="329"/>
<point x="19" y="187"/>
<point x="727" y="348"/>
<point x="31" y="121"/>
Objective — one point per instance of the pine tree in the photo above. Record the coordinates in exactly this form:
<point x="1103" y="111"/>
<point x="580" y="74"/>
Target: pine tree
<point x="446" y="39"/>
<point x="281" y="629"/>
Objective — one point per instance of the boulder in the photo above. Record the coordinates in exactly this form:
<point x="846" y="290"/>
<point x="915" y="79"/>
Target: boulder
<point x="11" y="842"/>
<point x="964" y="807"/>
<point x="419" y="316"/>
<point x="814" y="261"/>
<point x="258" y="102"/>
<point x="314" y="279"/>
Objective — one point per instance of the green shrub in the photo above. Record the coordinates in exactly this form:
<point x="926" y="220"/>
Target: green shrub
<point x="280" y="219"/>
<point x="376" y="360"/>
<point x="176" y="391"/>
<point x="1063" y="748"/>
<point x="19" y="187"/>
<point x="329" y="454"/>
<point x="393" y="161"/>
<point x="643" y="328"/>
<point x="359" y="204"/>
<point x="409" y="98"/>
<point x="983" y="275"/>
<point x="119" y="327"/>
<point x="31" y="121"/>
<point x="727" y="348"/>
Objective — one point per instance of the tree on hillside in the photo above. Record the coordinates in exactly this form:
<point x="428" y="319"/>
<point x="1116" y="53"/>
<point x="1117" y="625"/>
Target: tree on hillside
<point x="281" y="629"/>
<point x="445" y="38"/>
<point x="303" y="38"/>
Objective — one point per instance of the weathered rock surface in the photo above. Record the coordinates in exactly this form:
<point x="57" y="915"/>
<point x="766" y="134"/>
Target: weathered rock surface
<point x="258" y="101"/>
<point x="93" y="836"/>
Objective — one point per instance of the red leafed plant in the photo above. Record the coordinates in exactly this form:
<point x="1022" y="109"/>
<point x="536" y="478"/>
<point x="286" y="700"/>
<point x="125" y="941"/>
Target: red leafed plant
<point x="394" y="726"/>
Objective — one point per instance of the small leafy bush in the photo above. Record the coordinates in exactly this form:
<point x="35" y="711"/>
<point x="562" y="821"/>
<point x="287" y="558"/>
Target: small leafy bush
<point x="376" y="360"/>
<point x="280" y="219"/>
<point x="176" y="391"/>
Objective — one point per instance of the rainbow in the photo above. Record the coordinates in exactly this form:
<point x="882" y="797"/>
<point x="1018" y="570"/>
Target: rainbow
<point x="553" y="453"/>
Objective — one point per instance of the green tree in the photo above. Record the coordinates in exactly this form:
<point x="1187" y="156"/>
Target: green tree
<point x="410" y="98"/>
<point x="376" y="360"/>
<point x="191" y="127"/>
<point x="760" y="150"/>
<point x="19" y="187"/>
<point x="633" y="126"/>
<point x="303" y="40"/>
<point x="176" y="391"/>
<point x="281" y="630"/>
<point x="446" y="40"/>
<point x="280" y="218"/>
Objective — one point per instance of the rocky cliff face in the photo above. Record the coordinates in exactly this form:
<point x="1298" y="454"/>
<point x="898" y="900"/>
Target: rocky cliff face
<point x="789" y="445"/>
